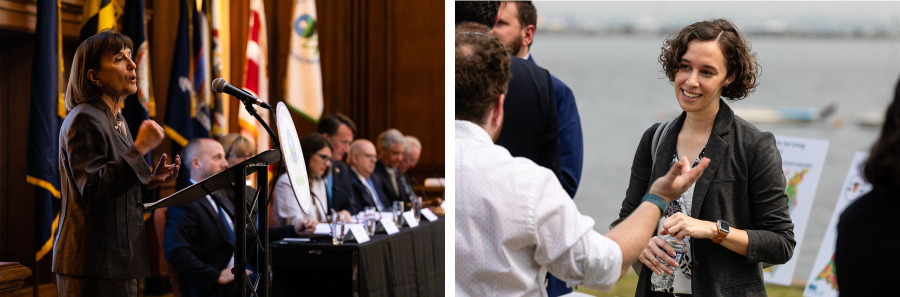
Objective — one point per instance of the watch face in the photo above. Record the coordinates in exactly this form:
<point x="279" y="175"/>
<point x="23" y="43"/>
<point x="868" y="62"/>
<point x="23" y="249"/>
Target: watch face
<point x="723" y="225"/>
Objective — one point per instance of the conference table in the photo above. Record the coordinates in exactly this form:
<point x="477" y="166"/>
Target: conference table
<point x="407" y="263"/>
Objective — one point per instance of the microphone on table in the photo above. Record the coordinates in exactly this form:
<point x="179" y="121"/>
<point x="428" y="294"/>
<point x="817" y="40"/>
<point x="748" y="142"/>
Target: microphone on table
<point x="219" y="85"/>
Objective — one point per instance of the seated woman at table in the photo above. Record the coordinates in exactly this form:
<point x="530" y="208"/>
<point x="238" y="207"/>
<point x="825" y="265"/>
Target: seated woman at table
<point x="317" y="156"/>
<point x="237" y="148"/>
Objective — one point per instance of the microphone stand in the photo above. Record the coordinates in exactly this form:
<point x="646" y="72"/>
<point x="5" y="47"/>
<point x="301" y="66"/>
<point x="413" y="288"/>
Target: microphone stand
<point x="252" y="111"/>
<point x="258" y="231"/>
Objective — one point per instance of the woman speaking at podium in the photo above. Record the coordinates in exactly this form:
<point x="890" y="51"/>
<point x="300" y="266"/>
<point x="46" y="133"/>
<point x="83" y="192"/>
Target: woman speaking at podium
<point x="100" y="248"/>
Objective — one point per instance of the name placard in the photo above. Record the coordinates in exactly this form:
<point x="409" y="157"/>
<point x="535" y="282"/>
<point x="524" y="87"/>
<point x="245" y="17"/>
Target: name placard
<point x="410" y="219"/>
<point x="429" y="215"/>
<point x="389" y="225"/>
<point x="359" y="233"/>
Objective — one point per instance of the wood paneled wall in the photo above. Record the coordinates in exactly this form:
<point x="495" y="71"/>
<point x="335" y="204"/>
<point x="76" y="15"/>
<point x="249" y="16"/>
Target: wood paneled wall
<point x="382" y="65"/>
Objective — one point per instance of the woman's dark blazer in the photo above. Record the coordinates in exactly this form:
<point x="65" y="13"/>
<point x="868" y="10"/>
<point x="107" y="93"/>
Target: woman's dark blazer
<point x="101" y="223"/>
<point x="743" y="185"/>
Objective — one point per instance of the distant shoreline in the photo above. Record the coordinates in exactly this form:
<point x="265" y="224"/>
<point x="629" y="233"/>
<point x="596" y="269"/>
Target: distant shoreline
<point x="665" y="33"/>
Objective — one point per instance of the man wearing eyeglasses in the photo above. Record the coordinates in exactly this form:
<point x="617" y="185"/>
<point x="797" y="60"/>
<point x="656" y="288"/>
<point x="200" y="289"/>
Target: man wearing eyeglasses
<point x="366" y="187"/>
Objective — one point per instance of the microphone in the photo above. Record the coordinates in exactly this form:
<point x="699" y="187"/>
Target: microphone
<point x="219" y="85"/>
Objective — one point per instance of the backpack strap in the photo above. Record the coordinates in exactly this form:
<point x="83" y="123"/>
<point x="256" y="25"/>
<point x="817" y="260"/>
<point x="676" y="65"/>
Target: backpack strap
<point x="657" y="135"/>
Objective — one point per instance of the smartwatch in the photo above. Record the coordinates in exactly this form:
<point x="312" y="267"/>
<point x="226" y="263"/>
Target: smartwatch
<point x="723" y="231"/>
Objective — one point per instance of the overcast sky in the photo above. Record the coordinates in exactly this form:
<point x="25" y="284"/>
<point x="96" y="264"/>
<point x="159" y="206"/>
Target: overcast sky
<point x="885" y="15"/>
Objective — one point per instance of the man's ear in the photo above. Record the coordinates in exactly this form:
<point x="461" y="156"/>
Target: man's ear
<point x="195" y="163"/>
<point x="529" y="36"/>
<point x="497" y="113"/>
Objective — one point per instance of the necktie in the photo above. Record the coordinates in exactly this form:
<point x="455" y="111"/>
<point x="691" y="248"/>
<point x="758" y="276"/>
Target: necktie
<point x="375" y="196"/>
<point x="227" y="226"/>
<point x="393" y="176"/>
<point x="407" y="189"/>
<point x="329" y="189"/>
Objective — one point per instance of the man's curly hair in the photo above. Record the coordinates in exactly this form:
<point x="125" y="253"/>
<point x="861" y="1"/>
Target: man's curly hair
<point x="482" y="73"/>
<point x="739" y="59"/>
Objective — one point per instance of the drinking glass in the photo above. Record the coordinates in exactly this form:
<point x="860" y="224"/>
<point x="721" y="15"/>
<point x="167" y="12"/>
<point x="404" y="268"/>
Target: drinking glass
<point x="398" y="213"/>
<point x="371" y="216"/>
<point x="337" y="232"/>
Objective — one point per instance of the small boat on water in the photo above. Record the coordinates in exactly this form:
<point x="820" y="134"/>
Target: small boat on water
<point x="869" y="118"/>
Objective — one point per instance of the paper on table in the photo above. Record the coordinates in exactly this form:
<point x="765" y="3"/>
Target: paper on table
<point x="323" y="228"/>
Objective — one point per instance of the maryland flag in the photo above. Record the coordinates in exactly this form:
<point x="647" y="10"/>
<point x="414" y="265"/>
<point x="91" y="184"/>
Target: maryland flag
<point x="45" y="117"/>
<point x="256" y="81"/>
<point x="139" y="106"/>
<point x="98" y="15"/>
<point x="303" y="82"/>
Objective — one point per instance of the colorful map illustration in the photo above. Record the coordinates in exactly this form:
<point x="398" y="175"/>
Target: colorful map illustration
<point x="791" y="191"/>
<point x="828" y="274"/>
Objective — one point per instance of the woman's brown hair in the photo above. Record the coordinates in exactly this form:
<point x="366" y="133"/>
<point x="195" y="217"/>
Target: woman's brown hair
<point x="740" y="61"/>
<point x="882" y="169"/>
<point x="88" y="56"/>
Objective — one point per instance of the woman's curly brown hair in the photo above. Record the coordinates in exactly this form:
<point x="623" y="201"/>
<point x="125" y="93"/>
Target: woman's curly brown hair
<point x="882" y="169"/>
<point x="740" y="61"/>
<point x="482" y="73"/>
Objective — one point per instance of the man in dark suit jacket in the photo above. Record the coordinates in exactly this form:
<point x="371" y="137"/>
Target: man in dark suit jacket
<point x="199" y="239"/>
<point x="391" y="145"/>
<point x="339" y="131"/>
<point x="530" y="124"/>
<point x="366" y="187"/>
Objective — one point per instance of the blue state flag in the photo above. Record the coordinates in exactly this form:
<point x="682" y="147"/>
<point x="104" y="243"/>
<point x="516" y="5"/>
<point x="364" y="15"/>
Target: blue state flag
<point x="183" y="113"/>
<point x="45" y="117"/>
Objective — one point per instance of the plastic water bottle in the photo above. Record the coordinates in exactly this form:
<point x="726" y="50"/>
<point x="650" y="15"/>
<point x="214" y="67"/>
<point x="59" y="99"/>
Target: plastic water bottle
<point x="664" y="282"/>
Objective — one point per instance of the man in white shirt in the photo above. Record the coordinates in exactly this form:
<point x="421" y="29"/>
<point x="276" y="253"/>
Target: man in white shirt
<point x="514" y="222"/>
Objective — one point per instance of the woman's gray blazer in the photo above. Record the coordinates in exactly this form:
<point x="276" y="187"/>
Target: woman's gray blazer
<point x="101" y="223"/>
<point x="743" y="185"/>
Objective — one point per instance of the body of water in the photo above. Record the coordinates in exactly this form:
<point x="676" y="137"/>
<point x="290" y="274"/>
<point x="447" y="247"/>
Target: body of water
<point x="620" y="90"/>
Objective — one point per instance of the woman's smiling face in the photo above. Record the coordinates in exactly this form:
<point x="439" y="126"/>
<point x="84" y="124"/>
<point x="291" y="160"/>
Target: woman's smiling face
<point x="701" y="76"/>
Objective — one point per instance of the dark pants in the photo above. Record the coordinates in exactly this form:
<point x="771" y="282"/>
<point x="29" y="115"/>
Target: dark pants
<point x="73" y="285"/>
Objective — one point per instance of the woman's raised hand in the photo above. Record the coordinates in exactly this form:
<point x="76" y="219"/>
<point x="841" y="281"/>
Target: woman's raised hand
<point x="149" y="136"/>
<point x="164" y="173"/>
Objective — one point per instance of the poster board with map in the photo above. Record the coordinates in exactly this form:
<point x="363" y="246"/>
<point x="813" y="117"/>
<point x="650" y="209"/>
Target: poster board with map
<point x="802" y="160"/>
<point x="822" y="281"/>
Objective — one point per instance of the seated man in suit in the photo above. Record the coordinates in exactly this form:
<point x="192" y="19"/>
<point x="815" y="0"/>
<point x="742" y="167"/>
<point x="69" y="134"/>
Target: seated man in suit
<point x="366" y="187"/>
<point x="199" y="239"/>
<point x="338" y="129"/>
<point x="391" y="146"/>
<point x="411" y="155"/>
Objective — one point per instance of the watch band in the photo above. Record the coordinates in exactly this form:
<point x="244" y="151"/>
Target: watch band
<point x="722" y="233"/>
<point x="656" y="200"/>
